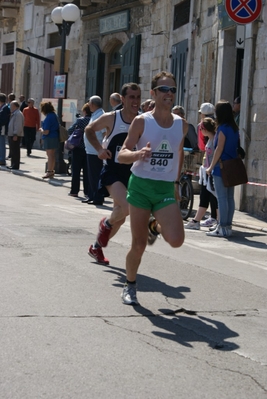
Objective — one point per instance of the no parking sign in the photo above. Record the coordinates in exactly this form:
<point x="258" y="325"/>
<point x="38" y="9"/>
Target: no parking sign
<point x="243" y="11"/>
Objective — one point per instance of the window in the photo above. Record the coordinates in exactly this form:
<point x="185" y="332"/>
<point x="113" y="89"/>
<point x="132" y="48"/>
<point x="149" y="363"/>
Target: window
<point x="8" y="48"/>
<point x="28" y="16"/>
<point x="207" y="73"/>
<point x="54" y="40"/>
<point x="181" y="14"/>
<point x="179" y="58"/>
<point x="7" y="77"/>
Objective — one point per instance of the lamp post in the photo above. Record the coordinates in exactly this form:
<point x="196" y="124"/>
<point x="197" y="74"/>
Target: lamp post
<point x="63" y="17"/>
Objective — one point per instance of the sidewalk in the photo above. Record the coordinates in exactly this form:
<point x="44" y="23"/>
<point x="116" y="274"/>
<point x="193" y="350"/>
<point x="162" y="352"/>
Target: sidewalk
<point x="34" y="168"/>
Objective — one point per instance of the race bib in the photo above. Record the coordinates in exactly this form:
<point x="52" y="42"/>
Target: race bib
<point x="161" y="160"/>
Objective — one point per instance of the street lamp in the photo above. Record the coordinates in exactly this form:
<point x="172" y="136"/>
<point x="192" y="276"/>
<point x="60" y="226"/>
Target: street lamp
<point x="63" y="17"/>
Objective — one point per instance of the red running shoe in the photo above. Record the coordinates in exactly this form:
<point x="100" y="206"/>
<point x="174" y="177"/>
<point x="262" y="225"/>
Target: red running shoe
<point x="98" y="255"/>
<point x="103" y="234"/>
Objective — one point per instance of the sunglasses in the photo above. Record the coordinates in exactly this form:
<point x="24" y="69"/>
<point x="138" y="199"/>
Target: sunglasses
<point x="165" y="89"/>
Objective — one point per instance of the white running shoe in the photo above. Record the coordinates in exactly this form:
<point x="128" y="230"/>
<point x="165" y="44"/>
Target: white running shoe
<point x="128" y="294"/>
<point x="192" y="225"/>
<point x="219" y="232"/>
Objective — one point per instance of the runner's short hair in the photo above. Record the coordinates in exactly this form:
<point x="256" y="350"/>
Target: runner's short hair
<point x="126" y="86"/>
<point x="162" y="74"/>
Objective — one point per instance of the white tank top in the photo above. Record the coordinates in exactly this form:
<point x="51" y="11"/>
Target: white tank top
<point x="165" y="143"/>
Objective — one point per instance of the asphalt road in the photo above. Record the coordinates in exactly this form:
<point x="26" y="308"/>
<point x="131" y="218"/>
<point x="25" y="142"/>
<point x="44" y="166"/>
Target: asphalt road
<point x="200" y="331"/>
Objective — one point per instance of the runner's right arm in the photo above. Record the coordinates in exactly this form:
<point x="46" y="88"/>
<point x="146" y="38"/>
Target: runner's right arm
<point x="126" y="154"/>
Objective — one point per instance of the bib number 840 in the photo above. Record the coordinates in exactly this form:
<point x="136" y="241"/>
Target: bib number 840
<point x="159" y="162"/>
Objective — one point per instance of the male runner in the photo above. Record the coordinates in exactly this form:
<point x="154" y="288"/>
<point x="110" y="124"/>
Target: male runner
<point x="114" y="176"/>
<point x="158" y="136"/>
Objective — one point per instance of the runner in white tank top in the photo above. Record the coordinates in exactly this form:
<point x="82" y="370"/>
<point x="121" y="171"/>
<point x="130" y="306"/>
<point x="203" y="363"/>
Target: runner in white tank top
<point x="159" y="138"/>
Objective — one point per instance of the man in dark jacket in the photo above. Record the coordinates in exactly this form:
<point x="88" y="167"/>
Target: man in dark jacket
<point x="4" y="120"/>
<point x="23" y="103"/>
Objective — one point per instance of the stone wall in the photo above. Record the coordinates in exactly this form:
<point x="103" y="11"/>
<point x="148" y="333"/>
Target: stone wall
<point x="256" y="196"/>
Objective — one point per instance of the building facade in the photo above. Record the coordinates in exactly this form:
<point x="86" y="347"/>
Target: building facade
<point x="116" y="41"/>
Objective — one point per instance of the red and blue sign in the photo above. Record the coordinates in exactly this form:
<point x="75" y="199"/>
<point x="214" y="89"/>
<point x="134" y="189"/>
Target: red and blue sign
<point x="243" y="11"/>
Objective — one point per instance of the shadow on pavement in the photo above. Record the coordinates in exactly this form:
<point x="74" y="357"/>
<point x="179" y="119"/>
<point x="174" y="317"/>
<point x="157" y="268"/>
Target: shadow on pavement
<point x="242" y="238"/>
<point x="186" y="327"/>
<point x="186" y="330"/>
<point x="149" y="284"/>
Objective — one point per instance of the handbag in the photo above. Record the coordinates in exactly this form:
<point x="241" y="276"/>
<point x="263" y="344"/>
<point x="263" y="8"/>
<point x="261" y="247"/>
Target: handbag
<point x="74" y="140"/>
<point x="63" y="134"/>
<point x="233" y="172"/>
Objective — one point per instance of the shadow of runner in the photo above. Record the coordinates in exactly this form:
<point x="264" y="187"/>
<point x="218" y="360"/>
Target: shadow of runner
<point x="149" y="284"/>
<point x="186" y="330"/>
<point x="186" y="327"/>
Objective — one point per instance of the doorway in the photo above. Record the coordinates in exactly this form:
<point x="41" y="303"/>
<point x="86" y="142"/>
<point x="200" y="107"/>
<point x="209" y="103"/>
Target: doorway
<point x="238" y="72"/>
<point x="115" y="70"/>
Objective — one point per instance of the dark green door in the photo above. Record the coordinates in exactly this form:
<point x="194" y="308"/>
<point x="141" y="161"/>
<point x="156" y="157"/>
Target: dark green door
<point x="95" y="72"/>
<point x="130" y="60"/>
<point x="179" y="56"/>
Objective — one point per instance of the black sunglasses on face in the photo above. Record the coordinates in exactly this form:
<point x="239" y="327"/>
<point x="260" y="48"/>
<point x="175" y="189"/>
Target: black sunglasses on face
<point x="166" y="89"/>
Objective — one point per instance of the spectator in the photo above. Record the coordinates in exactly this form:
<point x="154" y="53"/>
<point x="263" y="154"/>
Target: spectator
<point x="94" y="164"/>
<point x="190" y="140"/>
<point x="23" y="103"/>
<point x="145" y="105"/>
<point x="78" y="160"/>
<point x="236" y="109"/>
<point x="50" y="136"/>
<point x="4" y="120"/>
<point x="226" y="144"/>
<point x="208" y="128"/>
<point x="31" y="124"/>
<point x="206" y="111"/>
<point x="179" y="110"/>
<point x="115" y="101"/>
<point x="15" y="133"/>
<point x="11" y="97"/>
<point x="151" y="105"/>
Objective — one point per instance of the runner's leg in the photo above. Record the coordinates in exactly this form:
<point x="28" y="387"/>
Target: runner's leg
<point x="120" y="206"/>
<point x="139" y="220"/>
<point x="171" y="222"/>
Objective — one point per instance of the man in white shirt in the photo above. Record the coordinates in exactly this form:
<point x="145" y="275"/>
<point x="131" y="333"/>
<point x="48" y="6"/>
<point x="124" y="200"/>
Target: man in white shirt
<point x="94" y="164"/>
<point x="15" y="133"/>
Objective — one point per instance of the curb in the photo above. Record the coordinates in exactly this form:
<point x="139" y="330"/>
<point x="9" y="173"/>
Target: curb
<point x="20" y="173"/>
<point x="250" y="227"/>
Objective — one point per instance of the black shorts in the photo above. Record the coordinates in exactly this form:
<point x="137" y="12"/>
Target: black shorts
<point x="109" y="177"/>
